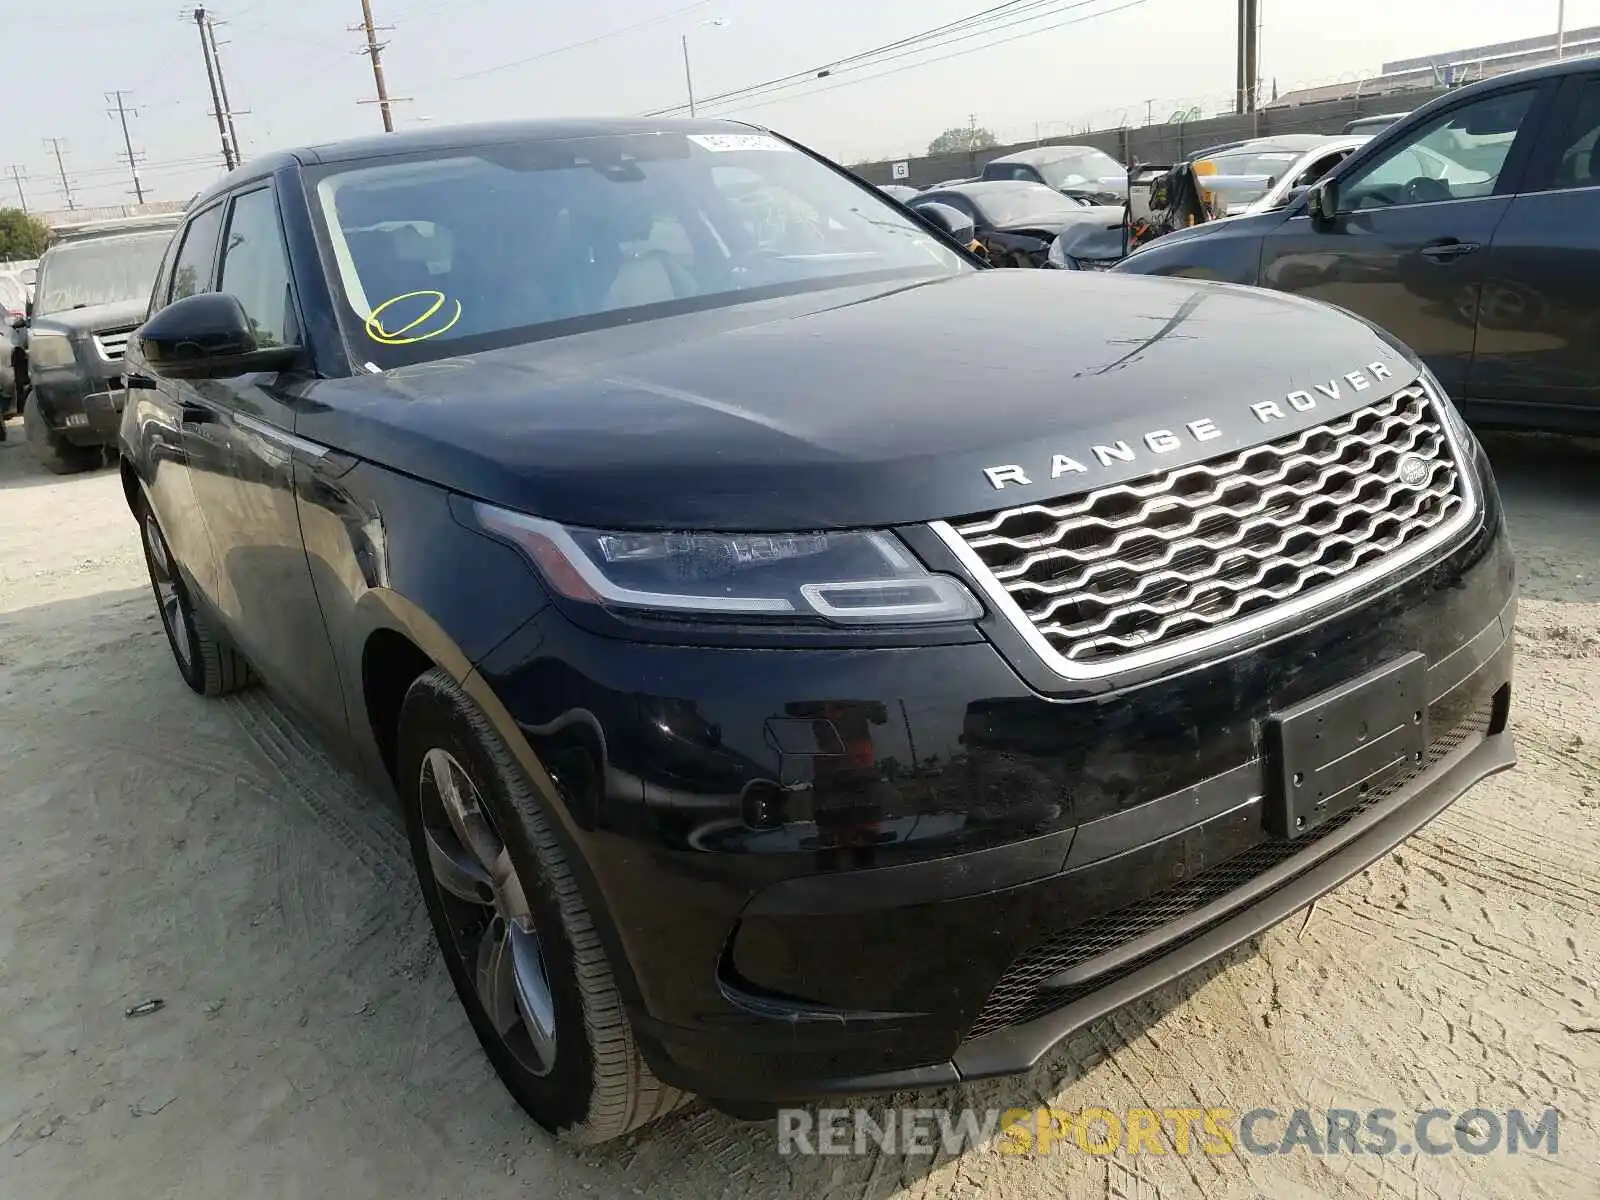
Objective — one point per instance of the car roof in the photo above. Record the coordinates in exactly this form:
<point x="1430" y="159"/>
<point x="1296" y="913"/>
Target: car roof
<point x="1297" y="142"/>
<point x="73" y="237"/>
<point x="462" y="137"/>
<point x="1042" y="154"/>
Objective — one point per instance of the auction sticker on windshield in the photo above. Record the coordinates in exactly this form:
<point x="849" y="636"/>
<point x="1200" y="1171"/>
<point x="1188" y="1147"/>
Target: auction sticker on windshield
<point x="726" y="143"/>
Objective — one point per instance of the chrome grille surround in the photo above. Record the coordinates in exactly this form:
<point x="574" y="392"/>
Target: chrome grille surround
<point x="1133" y="574"/>
<point x="113" y="344"/>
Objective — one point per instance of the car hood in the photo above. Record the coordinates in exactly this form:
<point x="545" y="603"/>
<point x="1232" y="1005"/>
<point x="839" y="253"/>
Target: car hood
<point x="1091" y="214"/>
<point x="864" y="406"/>
<point x="124" y="314"/>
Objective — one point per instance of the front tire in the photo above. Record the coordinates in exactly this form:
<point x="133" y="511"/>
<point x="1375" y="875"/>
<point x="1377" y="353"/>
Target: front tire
<point x="54" y="453"/>
<point x="208" y="665"/>
<point x="519" y="942"/>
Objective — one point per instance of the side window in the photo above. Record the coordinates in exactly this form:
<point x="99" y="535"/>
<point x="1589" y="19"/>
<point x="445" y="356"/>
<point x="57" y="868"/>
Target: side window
<point x="255" y="268"/>
<point x="1320" y="168"/>
<point x="1578" y="158"/>
<point x="197" y="255"/>
<point x="1457" y="156"/>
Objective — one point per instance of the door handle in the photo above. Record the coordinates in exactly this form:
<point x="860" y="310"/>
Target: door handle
<point x="1447" y="250"/>
<point x="196" y="414"/>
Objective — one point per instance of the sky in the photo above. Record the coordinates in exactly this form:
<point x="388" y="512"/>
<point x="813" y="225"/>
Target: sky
<point x="295" y="73"/>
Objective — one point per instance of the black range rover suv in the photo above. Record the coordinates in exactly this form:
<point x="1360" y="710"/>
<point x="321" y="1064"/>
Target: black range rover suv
<point x="807" y="662"/>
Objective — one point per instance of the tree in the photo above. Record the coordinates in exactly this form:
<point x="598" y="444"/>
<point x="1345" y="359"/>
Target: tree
<point x="21" y="236"/>
<point x="963" y="139"/>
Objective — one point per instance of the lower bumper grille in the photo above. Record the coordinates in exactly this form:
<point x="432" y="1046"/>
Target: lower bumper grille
<point x="1018" y="997"/>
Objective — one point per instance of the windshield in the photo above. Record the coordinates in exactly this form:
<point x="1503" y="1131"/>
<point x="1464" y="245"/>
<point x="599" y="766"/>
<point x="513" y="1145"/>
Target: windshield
<point x="1022" y="205"/>
<point x="459" y="250"/>
<point x="100" y="271"/>
<point x="1256" y="162"/>
<point x="1088" y="169"/>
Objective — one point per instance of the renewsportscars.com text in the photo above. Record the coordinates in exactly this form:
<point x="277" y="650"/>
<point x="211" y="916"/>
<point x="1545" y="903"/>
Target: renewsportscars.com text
<point x="1177" y="1130"/>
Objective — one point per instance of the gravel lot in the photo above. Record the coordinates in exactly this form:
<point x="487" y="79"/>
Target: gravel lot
<point x="159" y="845"/>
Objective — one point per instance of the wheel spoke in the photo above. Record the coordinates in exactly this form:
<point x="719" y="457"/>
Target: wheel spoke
<point x="459" y="799"/>
<point x="457" y="871"/>
<point x="496" y="977"/>
<point x="533" y="993"/>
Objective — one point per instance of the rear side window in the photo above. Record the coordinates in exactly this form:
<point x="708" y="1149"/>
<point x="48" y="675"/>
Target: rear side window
<point x="197" y="255"/>
<point x="1577" y="162"/>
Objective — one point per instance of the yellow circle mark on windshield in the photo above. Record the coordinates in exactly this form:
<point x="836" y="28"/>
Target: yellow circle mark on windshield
<point x="403" y="336"/>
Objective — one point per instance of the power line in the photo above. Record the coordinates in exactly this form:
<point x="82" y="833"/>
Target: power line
<point x="66" y="188"/>
<point x="979" y="24"/>
<point x="580" y="45"/>
<point x="946" y="57"/>
<point x="121" y="112"/>
<point x="973" y="25"/>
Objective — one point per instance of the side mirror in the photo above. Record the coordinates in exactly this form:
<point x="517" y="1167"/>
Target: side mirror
<point x="952" y="220"/>
<point x="1324" y="202"/>
<point x="207" y="337"/>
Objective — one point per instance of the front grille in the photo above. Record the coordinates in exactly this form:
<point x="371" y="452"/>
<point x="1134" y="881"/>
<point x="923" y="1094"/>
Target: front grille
<point x="1018" y="997"/>
<point x="113" y="344"/>
<point x="1166" y="561"/>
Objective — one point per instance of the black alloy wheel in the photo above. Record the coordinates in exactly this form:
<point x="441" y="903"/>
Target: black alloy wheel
<point x="518" y="939"/>
<point x="208" y="665"/>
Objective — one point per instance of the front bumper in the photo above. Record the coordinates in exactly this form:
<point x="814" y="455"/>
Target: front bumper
<point x="84" y="407"/>
<point x="855" y="870"/>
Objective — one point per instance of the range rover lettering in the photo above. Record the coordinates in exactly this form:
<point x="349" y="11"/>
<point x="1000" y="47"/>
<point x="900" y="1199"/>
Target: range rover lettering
<point x="808" y="662"/>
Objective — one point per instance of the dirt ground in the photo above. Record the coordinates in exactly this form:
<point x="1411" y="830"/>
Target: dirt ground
<point x="158" y="845"/>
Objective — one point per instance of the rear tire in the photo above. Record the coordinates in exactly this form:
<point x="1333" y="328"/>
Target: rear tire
<point x="54" y="452"/>
<point x="515" y="932"/>
<point x="208" y="665"/>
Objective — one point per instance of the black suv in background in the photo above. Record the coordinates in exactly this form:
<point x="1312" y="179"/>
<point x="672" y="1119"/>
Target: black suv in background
<point x="1470" y="230"/>
<point x="93" y="290"/>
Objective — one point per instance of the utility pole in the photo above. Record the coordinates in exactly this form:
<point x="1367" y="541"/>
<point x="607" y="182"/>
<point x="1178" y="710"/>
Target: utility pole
<point x="374" y="51"/>
<point x="1245" y="76"/>
<point x="216" y="99"/>
<point x="688" y="75"/>
<point x="121" y="113"/>
<point x="18" y="176"/>
<point x="1561" y="29"/>
<point x="222" y="89"/>
<point x="66" y="188"/>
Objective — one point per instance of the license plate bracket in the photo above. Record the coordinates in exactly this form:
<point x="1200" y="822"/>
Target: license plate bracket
<point x="1327" y="753"/>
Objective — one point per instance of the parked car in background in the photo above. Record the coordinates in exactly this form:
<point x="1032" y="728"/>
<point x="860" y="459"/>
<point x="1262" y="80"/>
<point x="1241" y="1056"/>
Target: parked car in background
<point x="813" y="665"/>
<point x="1470" y="230"/>
<point x="14" y="301"/>
<point x="1014" y="220"/>
<point x="897" y="191"/>
<point x="1234" y="178"/>
<point x="1084" y="172"/>
<point x="94" y="288"/>
<point x="1306" y="170"/>
<point x="1377" y="124"/>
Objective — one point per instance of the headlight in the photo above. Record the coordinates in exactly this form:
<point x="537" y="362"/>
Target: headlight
<point x="47" y="350"/>
<point x="854" y="578"/>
